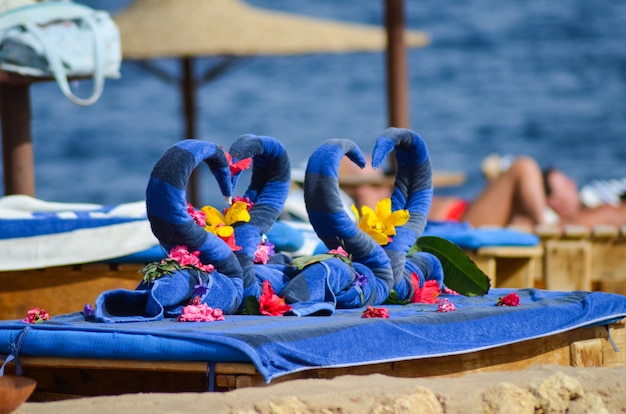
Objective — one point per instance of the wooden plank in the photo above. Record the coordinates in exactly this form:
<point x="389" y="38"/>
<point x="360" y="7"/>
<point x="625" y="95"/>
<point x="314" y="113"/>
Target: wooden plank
<point x="62" y="289"/>
<point x="509" y="266"/>
<point x="567" y="264"/>
<point x="587" y="353"/>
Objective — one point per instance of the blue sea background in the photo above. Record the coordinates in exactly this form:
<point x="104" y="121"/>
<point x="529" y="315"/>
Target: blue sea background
<point x="538" y="77"/>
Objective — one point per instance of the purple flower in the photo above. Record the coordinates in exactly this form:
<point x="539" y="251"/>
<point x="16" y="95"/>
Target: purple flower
<point x="200" y="289"/>
<point x="360" y="279"/>
<point x="88" y="310"/>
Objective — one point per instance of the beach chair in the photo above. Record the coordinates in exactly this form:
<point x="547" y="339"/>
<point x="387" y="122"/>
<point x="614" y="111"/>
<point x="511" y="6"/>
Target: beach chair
<point x="582" y="258"/>
<point x="562" y="328"/>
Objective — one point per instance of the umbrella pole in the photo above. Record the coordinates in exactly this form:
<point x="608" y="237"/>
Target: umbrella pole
<point x="17" y="145"/>
<point x="188" y="87"/>
<point x="397" y="75"/>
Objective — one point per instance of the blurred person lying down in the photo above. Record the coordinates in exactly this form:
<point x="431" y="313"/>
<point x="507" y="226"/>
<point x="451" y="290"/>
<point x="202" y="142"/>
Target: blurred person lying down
<point x="522" y="194"/>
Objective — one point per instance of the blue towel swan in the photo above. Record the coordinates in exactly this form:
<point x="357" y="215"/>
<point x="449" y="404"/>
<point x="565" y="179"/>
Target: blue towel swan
<point x="413" y="191"/>
<point x="268" y="190"/>
<point x="336" y="228"/>
<point x="167" y="210"/>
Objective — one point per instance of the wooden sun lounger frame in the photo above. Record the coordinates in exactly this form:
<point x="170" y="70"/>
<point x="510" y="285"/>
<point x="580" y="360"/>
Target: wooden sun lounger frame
<point x="62" y="378"/>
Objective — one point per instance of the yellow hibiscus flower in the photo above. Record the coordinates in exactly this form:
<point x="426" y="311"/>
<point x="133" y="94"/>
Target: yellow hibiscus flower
<point x="221" y="224"/>
<point x="380" y="224"/>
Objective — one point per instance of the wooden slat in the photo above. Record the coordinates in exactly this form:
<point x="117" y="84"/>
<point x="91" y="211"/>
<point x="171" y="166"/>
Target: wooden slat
<point x="62" y="289"/>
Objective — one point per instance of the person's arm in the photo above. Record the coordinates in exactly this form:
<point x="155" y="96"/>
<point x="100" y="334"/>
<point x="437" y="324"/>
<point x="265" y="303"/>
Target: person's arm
<point x="604" y="214"/>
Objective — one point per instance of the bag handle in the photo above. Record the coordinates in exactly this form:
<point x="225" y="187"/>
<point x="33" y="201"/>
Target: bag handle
<point x="56" y="66"/>
<point x="31" y="16"/>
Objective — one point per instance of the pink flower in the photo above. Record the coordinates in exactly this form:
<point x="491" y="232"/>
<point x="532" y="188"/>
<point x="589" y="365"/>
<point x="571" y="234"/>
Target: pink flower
<point x="512" y="299"/>
<point x="200" y="313"/>
<point x="372" y="312"/>
<point x="263" y="252"/>
<point x="36" y="315"/>
<point x="340" y="251"/>
<point x="270" y="304"/>
<point x="198" y="216"/>
<point x="184" y="257"/>
<point x="446" y="306"/>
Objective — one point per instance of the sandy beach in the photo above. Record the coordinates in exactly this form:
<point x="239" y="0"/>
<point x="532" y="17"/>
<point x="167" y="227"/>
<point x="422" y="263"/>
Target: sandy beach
<point x="539" y="389"/>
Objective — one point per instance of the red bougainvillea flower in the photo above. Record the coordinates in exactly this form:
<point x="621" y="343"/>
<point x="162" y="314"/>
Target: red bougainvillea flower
<point x="238" y="166"/>
<point x="446" y="306"/>
<point x="270" y="304"/>
<point x="512" y="299"/>
<point x="427" y="293"/>
<point x="200" y="313"/>
<point x="198" y="216"/>
<point x="372" y="312"/>
<point x="36" y="315"/>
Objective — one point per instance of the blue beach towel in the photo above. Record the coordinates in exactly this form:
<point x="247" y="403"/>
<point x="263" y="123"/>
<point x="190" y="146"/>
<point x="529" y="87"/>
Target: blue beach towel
<point x="36" y="234"/>
<point x="279" y="346"/>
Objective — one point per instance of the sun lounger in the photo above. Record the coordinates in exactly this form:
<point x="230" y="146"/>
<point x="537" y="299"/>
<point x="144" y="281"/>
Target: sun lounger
<point x="510" y="257"/>
<point x="577" y="257"/>
<point x="60" y="256"/>
<point x="71" y="355"/>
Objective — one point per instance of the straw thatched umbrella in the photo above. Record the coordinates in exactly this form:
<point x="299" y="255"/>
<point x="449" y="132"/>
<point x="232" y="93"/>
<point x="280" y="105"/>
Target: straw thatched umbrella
<point x="232" y="29"/>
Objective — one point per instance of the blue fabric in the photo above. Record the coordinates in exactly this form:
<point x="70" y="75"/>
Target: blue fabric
<point x="332" y="223"/>
<point x="467" y="237"/>
<point x="413" y="191"/>
<point x="166" y="205"/>
<point x="283" y="345"/>
<point x="268" y="190"/>
<point x="50" y="223"/>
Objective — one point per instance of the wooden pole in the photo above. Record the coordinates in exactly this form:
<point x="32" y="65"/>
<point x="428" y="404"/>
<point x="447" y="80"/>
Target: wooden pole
<point x="397" y="74"/>
<point x="17" y="145"/>
<point x="188" y="86"/>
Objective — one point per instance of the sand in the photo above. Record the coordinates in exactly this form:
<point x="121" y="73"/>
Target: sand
<point x="539" y="389"/>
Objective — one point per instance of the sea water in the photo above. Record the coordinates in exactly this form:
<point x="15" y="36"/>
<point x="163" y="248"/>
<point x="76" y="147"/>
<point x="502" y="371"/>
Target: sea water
<point x="538" y="77"/>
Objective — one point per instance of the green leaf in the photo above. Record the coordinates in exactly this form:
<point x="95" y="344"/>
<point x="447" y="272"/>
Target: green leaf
<point x="460" y="272"/>
<point x="394" y="300"/>
<point x="250" y="306"/>
<point x="303" y="261"/>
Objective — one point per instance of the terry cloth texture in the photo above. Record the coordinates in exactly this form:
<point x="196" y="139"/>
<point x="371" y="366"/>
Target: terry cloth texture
<point x="331" y="222"/>
<point x="284" y="345"/>
<point x="166" y="203"/>
<point x="35" y="234"/>
<point x="268" y="190"/>
<point x="413" y="191"/>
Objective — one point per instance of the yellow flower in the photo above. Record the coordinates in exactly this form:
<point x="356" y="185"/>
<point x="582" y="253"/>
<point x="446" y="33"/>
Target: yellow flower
<point x="380" y="224"/>
<point x="220" y="224"/>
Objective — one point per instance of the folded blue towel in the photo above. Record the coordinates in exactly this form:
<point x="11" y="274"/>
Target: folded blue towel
<point x="331" y="222"/>
<point x="467" y="237"/>
<point x="167" y="209"/>
<point x="268" y="190"/>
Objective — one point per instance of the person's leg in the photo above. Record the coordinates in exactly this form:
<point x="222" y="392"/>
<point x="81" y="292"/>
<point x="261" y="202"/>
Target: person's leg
<point x="516" y="194"/>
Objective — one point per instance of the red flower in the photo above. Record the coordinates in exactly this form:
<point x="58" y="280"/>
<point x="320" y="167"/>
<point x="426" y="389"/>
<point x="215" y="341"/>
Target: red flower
<point x="372" y="312"/>
<point x="512" y="299"/>
<point x="270" y="304"/>
<point x="238" y="166"/>
<point x="427" y="293"/>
